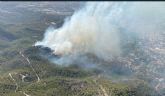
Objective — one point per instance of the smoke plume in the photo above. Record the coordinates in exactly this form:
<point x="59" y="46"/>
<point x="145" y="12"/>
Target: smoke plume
<point x="98" y="28"/>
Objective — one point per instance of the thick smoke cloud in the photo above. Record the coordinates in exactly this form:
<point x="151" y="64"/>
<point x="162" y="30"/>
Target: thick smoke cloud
<point x="103" y="29"/>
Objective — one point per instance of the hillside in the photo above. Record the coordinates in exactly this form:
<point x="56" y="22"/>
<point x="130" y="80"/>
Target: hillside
<point x="25" y="70"/>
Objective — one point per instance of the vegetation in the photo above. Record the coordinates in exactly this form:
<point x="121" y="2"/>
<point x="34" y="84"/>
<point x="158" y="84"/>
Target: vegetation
<point x="56" y="80"/>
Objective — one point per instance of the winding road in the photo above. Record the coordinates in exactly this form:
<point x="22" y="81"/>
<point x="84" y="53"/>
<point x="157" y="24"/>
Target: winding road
<point x="29" y="63"/>
<point x="17" y="85"/>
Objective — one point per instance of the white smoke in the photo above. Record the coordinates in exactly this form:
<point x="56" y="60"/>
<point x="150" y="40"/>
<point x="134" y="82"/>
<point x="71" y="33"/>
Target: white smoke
<point x="97" y="28"/>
